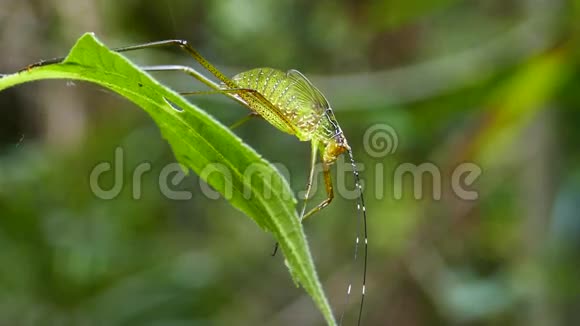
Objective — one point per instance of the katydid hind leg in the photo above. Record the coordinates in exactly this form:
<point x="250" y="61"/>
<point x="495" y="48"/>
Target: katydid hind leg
<point x="182" y="44"/>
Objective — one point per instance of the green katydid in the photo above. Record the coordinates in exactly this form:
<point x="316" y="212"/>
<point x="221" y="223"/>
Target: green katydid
<point x="291" y="103"/>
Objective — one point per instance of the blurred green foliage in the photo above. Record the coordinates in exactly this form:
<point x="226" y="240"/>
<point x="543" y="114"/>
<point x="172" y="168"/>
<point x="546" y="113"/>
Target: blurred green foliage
<point x="489" y="82"/>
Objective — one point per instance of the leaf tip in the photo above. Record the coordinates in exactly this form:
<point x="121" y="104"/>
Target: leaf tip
<point x="84" y="43"/>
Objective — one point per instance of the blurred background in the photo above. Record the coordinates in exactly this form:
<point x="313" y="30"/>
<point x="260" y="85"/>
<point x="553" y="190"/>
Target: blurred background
<point x="494" y="83"/>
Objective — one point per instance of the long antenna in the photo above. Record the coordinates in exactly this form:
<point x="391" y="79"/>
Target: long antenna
<point x="361" y="212"/>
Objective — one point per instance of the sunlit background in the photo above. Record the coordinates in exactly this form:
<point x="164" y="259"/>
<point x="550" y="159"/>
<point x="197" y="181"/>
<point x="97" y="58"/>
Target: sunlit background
<point x="494" y="83"/>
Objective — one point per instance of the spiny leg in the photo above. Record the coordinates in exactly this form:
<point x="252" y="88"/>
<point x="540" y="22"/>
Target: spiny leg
<point x="329" y="192"/>
<point x="182" y="44"/>
<point x="328" y="187"/>
<point x="310" y="179"/>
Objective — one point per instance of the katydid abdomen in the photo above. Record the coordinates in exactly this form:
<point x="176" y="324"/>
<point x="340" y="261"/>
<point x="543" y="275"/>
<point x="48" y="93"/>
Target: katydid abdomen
<point x="300" y="106"/>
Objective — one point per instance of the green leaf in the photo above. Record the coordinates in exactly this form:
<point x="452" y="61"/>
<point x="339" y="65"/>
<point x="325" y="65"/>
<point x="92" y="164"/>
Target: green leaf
<point x="199" y="142"/>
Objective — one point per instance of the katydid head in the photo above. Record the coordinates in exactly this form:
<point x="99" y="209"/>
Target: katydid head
<point x="334" y="147"/>
<point x="332" y="140"/>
